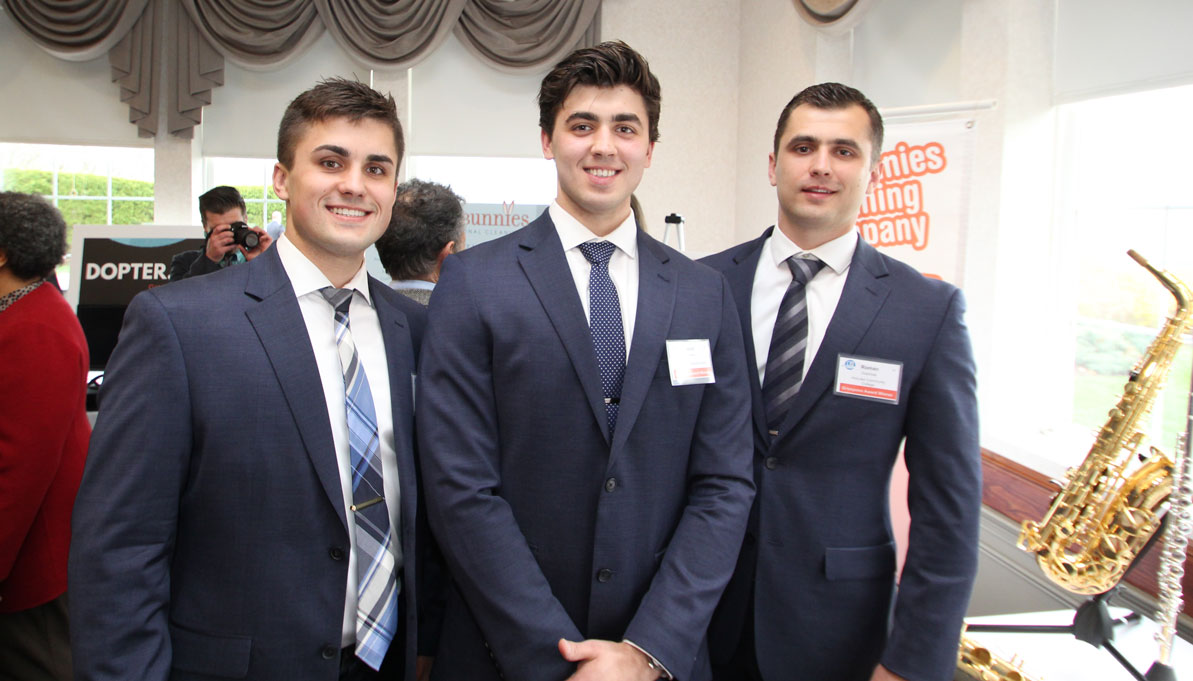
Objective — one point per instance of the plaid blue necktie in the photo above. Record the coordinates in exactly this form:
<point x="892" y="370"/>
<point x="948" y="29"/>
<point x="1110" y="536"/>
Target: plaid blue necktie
<point x="604" y="321"/>
<point x="785" y="361"/>
<point x="377" y="586"/>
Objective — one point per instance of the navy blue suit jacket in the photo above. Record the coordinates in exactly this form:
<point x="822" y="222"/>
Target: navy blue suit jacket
<point x="819" y="548"/>
<point x="550" y="529"/>
<point x="209" y="532"/>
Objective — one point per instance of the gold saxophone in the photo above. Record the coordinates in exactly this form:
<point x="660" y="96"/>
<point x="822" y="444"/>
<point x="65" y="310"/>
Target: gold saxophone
<point x="975" y="663"/>
<point x="1104" y="514"/>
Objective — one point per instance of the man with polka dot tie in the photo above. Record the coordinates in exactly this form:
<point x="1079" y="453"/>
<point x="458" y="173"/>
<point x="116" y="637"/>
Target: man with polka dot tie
<point x="584" y="417"/>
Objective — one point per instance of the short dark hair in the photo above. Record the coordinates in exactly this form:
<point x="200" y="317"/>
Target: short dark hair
<point x="609" y="64"/>
<point x="833" y="96"/>
<point x="336" y="98"/>
<point x="32" y="235"/>
<point x="219" y="200"/>
<point x="427" y="215"/>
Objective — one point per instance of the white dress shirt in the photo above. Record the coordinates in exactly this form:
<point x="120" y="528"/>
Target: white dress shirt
<point x="772" y="278"/>
<point x="623" y="265"/>
<point x="319" y="317"/>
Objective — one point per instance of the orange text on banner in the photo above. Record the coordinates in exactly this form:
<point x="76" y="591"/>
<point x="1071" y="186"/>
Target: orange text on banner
<point x="893" y="213"/>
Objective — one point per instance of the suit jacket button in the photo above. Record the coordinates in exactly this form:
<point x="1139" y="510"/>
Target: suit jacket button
<point x="604" y="575"/>
<point x="329" y="651"/>
<point x="610" y="484"/>
<point x="771" y="463"/>
<point x="336" y="553"/>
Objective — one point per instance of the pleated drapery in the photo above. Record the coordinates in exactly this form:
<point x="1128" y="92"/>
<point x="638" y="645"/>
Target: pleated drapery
<point x="194" y="37"/>
<point x="78" y="30"/>
<point x="518" y="34"/>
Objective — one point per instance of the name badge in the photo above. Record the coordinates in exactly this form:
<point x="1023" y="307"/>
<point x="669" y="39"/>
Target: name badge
<point x="690" y="361"/>
<point x="868" y="378"/>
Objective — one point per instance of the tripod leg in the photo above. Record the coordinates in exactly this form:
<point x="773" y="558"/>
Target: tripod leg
<point x="1124" y="662"/>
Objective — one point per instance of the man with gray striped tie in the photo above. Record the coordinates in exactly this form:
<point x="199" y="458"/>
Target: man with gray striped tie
<point x="854" y="355"/>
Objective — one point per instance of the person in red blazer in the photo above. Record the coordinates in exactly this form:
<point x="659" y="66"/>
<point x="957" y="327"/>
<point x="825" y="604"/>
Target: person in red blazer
<point x="43" y="438"/>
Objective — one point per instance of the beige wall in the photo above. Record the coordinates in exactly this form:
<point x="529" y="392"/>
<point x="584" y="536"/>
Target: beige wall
<point x="778" y="59"/>
<point x="692" y="46"/>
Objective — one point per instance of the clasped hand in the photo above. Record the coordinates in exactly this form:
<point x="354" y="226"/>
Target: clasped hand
<point x="599" y="660"/>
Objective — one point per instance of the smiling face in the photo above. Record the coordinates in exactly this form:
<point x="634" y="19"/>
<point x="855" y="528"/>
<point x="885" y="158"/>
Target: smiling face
<point x="822" y="171"/>
<point x="340" y="191"/>
<point x="601" y="145"/>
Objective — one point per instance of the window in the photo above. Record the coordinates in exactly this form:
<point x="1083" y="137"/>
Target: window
<point x="489" y="180"/>
<point x="253" y="178"/>
<point x="90" y="185"/>
<point x="1126" y="162"/>
<point x="1122" y="176"/>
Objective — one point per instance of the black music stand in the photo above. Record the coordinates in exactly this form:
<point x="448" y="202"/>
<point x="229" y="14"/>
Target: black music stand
<point x="1092" y="622"/>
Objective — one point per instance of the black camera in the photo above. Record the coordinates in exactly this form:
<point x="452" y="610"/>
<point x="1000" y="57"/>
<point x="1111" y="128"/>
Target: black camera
<point x="243" y="235"/>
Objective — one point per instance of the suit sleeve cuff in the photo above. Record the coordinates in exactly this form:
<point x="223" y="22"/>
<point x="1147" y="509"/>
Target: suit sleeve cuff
<point x="654" y="663"/>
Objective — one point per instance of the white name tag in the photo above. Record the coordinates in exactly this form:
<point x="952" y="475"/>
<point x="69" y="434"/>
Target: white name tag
<point x="690" y="361"/>
<point x="868" y="378"/>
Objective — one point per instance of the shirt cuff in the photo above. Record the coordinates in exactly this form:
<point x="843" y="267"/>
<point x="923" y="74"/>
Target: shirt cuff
<point x="654" y="663"/>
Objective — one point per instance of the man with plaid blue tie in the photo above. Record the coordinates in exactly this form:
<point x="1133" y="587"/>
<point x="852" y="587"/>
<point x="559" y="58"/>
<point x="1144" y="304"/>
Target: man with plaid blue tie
<point x="584" y="417"/>
<point x="265" y="524"/>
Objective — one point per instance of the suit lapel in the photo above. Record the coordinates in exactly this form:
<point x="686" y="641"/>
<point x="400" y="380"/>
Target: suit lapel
<point x="656" y="303"/>
<point x="278" y="323"/>
<point x="741" y="280"/>
<point x="542" y="260"/>
<point x="864" y="293"/>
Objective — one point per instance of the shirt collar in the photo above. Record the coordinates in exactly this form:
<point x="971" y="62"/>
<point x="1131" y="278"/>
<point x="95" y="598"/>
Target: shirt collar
<point x="306" y="278"/>
<point x="13" y="296"/>
<point x="572" y="233"/>
<point x="836" y="254"/>
<point x="412" y="283"/>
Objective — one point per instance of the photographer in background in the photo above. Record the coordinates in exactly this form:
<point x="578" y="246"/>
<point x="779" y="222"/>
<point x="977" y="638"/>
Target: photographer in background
<point x="229" y="240"/>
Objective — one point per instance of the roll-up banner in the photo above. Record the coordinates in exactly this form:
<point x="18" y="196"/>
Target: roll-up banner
<point x="488" y="221"/>
<point x="917" y="211"/>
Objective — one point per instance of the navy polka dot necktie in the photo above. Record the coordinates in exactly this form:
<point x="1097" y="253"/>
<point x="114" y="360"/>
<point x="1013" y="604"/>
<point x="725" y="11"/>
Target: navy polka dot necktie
<point x="604" y="320"/>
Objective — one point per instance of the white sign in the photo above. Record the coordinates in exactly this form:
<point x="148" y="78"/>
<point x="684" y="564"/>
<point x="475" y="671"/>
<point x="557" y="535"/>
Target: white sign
<point x="917" y="210"/>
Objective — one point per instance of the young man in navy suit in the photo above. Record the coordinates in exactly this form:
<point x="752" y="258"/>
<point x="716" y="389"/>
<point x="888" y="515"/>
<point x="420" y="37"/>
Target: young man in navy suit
<point x="852" y="355"/>
<point x="584" y="417"/>
<point x="222" y="529"/>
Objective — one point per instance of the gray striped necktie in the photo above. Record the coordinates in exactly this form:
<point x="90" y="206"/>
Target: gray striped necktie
<point x="788" y="343"/>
